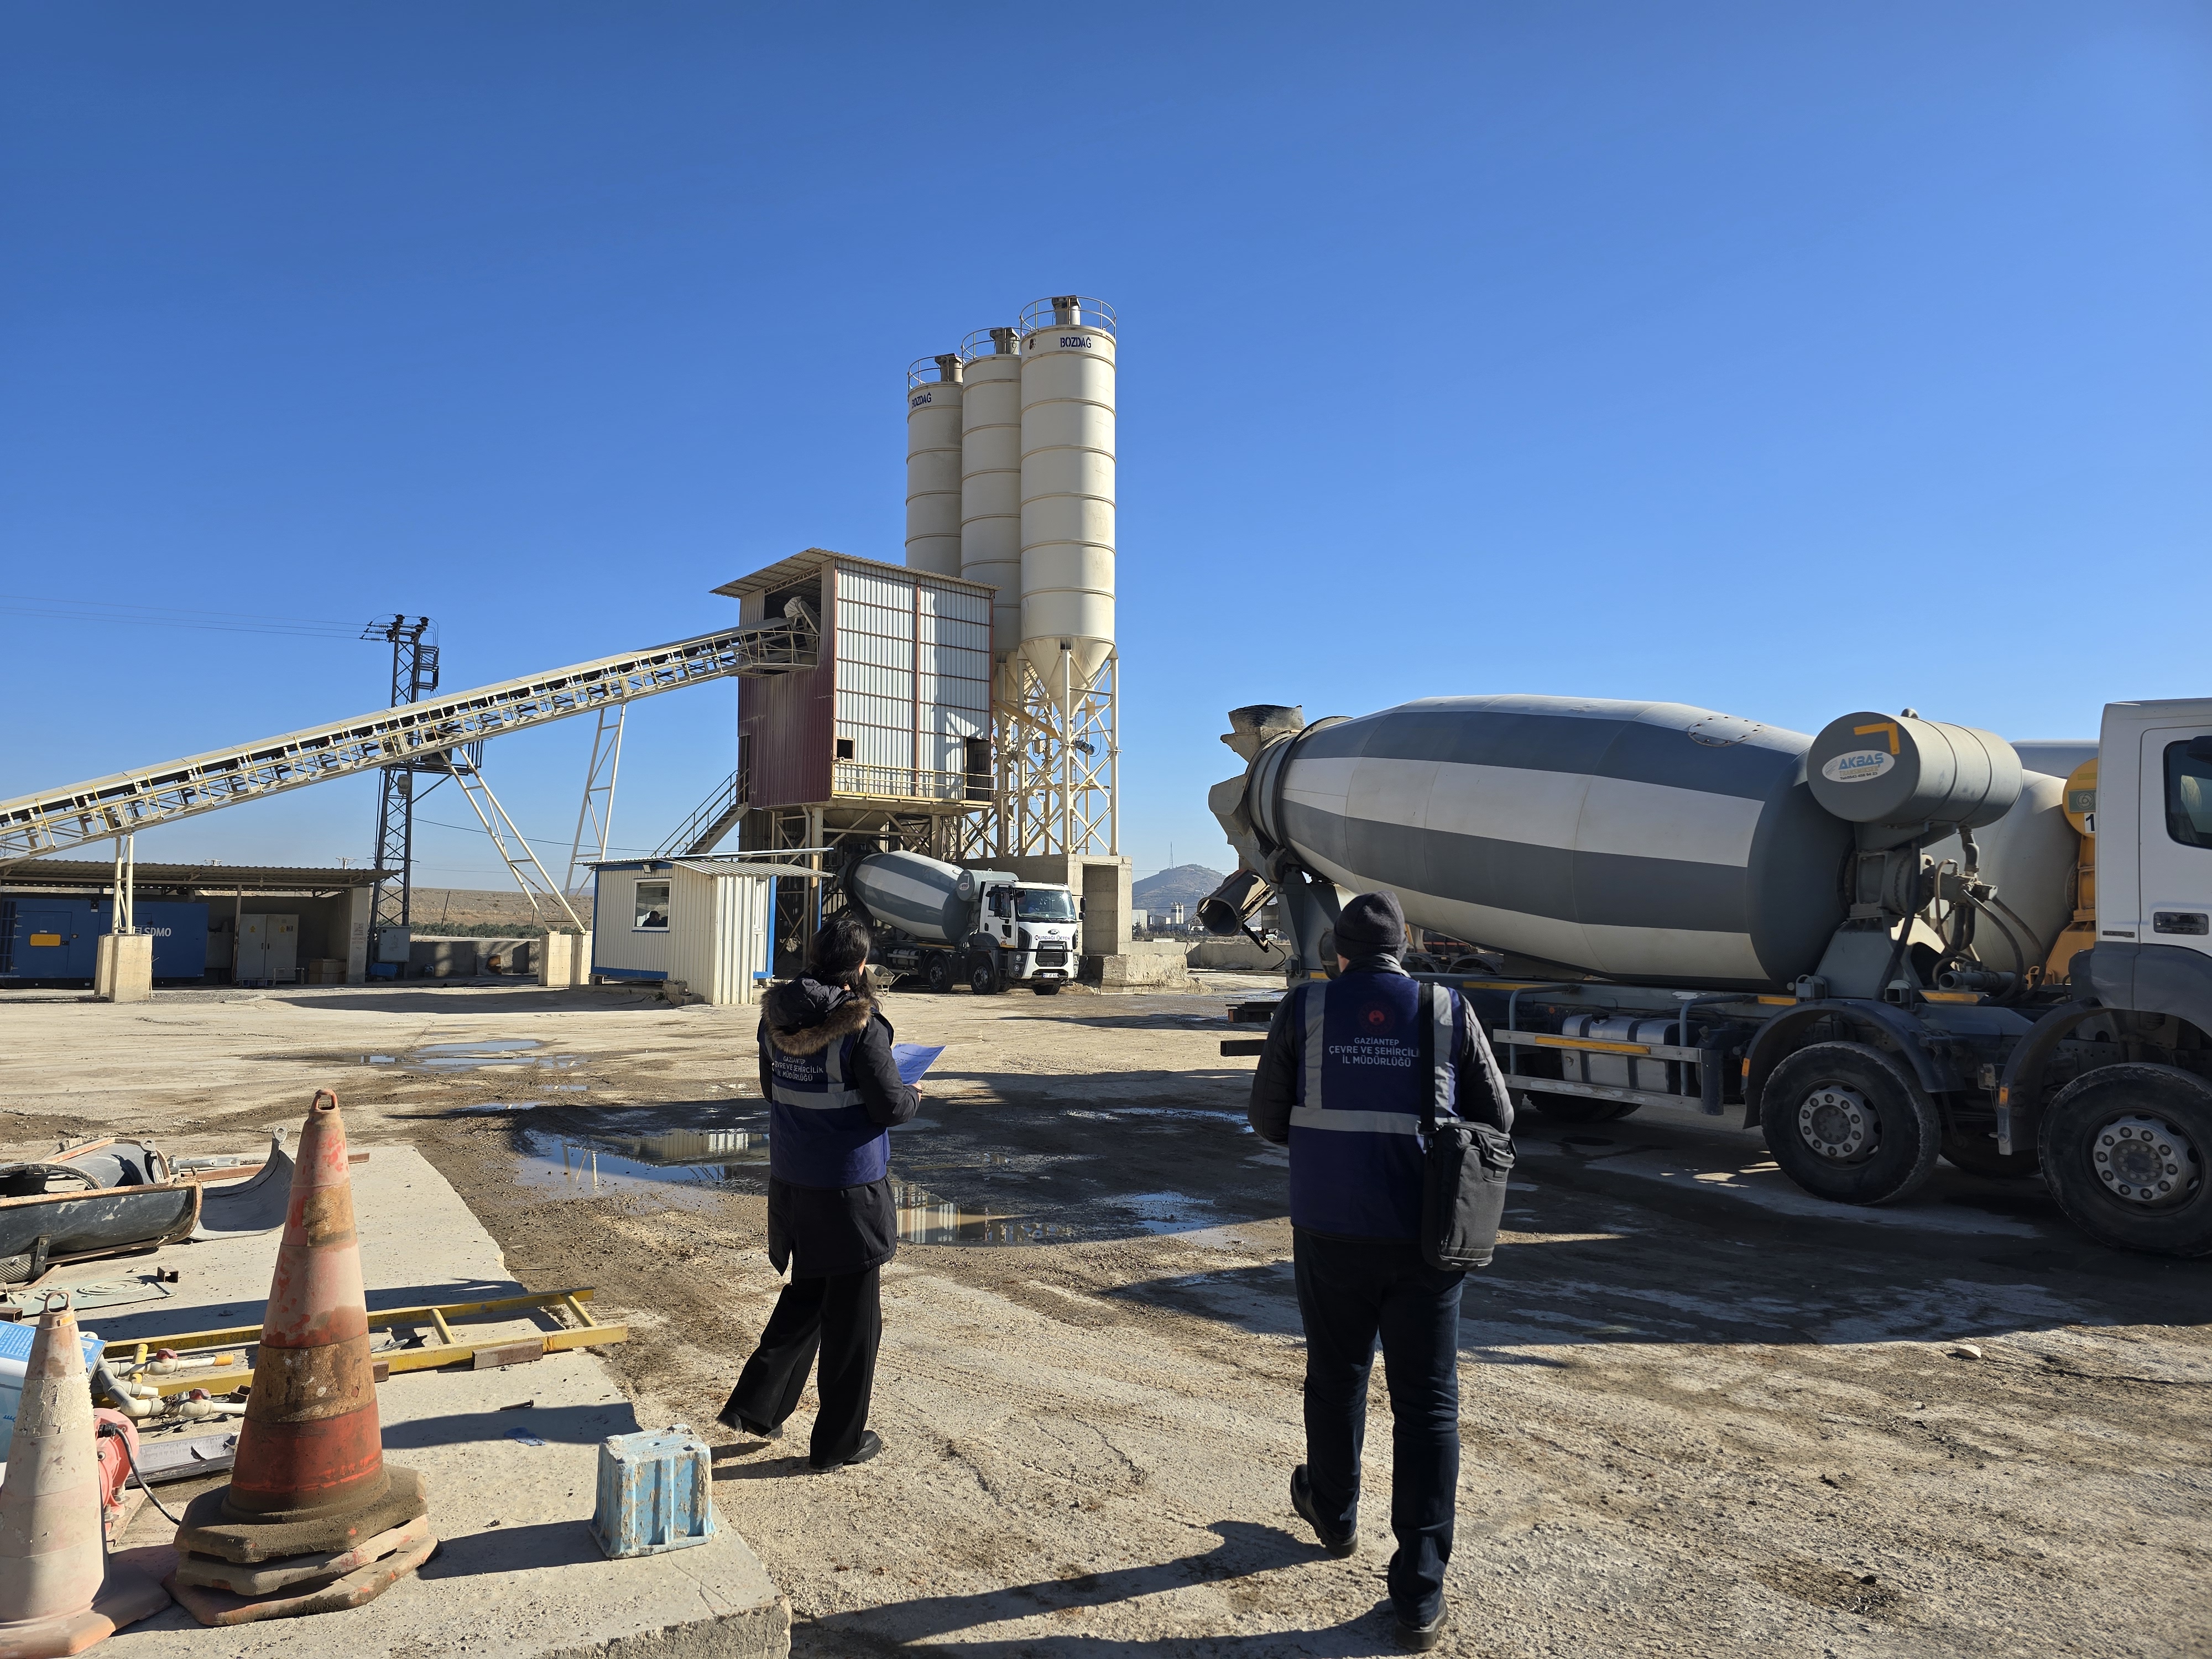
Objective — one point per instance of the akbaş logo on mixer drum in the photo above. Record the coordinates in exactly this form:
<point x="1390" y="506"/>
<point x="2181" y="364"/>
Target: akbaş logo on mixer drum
<point x="1857" y="766"/>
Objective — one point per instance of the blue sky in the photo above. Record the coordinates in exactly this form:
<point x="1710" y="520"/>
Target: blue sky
<point x="1782" y="359"/>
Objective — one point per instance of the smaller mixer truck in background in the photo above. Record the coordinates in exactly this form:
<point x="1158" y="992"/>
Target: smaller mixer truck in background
<point x="983" y="928"/>
<point x="1894" y="941"/>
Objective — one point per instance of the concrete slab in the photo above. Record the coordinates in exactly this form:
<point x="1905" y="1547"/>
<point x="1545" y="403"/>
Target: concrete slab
<point x="518" y="1574"/>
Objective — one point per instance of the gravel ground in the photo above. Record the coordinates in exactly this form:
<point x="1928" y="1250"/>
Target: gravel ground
<point x="1702" y="1413"/>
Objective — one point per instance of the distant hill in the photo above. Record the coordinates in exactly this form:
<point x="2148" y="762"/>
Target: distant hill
<point x="1185" y="884"/>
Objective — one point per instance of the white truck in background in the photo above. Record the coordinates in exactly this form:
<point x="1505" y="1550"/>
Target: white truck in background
<point x="984" y="928"/>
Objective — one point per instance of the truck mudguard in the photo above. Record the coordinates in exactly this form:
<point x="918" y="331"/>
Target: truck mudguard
<point x="2155" y="979"/>
<point x="2020" y="1089"/>
<point x="1767" y="1049"/>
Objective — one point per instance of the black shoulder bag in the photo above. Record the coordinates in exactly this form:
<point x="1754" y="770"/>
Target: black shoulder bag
<point x="1464" y="1176"/>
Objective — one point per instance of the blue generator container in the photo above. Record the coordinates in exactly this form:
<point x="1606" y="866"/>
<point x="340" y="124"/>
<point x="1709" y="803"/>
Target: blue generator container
<point x="656" y="1492"/>
<point x="56" y="936"/>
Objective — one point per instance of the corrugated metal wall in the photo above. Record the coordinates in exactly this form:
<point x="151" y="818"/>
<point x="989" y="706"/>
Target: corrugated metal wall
<point x="904" y="678"/>
<point x="790" y="719"/>
<point x="914" y="662"/>
<point x="717" y="935"/>
<point x="617" y="946"/>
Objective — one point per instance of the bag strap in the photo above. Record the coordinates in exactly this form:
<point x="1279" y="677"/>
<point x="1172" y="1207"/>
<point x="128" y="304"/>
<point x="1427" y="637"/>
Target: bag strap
<point x="1424" y="1010"/>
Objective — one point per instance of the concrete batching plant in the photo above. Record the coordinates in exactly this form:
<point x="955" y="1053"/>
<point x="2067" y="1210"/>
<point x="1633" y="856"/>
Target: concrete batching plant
<point x="1032" y="405"/>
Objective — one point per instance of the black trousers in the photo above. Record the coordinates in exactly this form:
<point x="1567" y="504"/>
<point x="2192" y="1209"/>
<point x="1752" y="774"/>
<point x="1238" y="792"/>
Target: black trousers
<point x="841" y="1316"/>
<point x="1350" y="1292"/>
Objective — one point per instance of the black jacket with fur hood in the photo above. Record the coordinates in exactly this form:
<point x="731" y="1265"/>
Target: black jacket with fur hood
<point x="824" y="1230"/>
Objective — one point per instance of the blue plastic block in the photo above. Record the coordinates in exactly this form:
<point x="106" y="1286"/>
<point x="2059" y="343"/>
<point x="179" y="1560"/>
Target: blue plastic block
<point x="656" y="1492"/>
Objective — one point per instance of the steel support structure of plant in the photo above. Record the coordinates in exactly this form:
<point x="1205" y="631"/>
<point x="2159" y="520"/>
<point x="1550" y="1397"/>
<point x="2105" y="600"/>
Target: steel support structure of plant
<point x="597" y="815"/>
<point x="1059" y="755"/>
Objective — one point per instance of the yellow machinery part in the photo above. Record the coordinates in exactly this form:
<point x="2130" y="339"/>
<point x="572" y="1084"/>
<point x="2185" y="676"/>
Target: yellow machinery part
<point x="2081" y="803"/>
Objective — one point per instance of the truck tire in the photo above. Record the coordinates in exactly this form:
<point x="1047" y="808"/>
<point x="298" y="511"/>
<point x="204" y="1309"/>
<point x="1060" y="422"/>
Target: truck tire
<point x="2125" y="1152"/>
<point x="1849" y="1124"/>
<point x="938" y="975"/>
<point x="1578" y="1108"/>
<point x="1975" y="1151"/>
<point x="983" y="977"/>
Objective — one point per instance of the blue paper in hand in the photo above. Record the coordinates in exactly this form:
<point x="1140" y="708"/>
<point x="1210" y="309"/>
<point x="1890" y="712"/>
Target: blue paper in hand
<point x="914" y="1060"/>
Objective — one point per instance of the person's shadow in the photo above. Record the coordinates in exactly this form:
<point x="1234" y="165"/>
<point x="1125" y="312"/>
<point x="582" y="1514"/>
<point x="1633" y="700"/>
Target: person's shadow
<point x="1245" y="1548"/>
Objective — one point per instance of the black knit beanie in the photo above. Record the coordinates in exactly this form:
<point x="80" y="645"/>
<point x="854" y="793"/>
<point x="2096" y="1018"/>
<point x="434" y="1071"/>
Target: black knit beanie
<point x="1371" y="925"/>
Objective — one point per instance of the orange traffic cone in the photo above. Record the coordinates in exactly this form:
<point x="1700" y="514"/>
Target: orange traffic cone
<point x="58" y="1593"/>
<point x="309" y="1478"/>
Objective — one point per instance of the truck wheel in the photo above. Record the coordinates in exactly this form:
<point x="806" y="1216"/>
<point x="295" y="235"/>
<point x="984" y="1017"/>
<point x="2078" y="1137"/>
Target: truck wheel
<point x="938" y="975"/>
<point x="2125" y="1150"/>
<point x="1975" y="1151"/>
<point x="1047" y="987"/>
<point x="983" y="979"/>
<point x="1848" y="1124"/>
<point x="1579" y="1109"/>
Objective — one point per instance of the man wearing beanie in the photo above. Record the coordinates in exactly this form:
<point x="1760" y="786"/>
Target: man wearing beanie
<point x="1340" y="1083"/>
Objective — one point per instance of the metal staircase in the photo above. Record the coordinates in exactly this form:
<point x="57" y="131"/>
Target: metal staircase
<point x="714" y="818"/>
<point x="55" y="820"/>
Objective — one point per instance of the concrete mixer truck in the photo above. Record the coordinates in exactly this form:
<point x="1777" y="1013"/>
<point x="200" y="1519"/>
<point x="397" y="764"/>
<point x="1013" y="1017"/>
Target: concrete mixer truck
<point x="1880" y="944"/>
<point x="983" y="928"/>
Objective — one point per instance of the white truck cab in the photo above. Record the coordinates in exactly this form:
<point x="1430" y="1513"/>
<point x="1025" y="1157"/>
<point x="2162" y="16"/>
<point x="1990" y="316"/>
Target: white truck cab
<point x="2154" y="829"/>
<point x="1036" y="929"/>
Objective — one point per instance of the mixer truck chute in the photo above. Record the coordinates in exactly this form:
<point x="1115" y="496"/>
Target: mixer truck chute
<point x="1884" y="943"/>
<point x="983" y="928"/>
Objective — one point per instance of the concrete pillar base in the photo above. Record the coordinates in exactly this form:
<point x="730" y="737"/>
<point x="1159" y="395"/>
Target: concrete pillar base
<point x="122" y="971"/>
<point x="565" y="961"/>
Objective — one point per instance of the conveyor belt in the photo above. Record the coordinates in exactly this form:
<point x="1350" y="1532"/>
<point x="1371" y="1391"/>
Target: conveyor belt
<point x="54" y="820"/>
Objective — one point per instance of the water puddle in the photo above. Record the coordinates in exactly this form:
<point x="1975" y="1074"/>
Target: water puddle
<point x="1167" y="1212"/>
<point x="924" y="1217"/>
<point x="678" y="1164"/>
<point x="475" y="1055"/>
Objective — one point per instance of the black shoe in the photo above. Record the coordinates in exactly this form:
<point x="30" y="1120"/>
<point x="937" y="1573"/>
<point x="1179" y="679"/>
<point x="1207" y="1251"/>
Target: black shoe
<point x="731" y="1418"/>
<point x="1301" y="1501"/>
<point x="1420" y="1639"/>
<point x="871" y="1444"/>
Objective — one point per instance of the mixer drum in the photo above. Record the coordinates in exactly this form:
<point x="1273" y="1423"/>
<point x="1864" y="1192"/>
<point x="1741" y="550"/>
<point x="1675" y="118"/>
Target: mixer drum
<point x="1655" y="842"/>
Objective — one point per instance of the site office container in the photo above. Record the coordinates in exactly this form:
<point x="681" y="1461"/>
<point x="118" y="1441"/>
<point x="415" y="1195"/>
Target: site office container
<point x="56" y="936"/>
<point x="691" y="920"/>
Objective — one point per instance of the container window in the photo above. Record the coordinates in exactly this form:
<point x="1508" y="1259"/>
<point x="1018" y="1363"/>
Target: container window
<point x="651" y="908"/>
<point x="2188" y="791"/>
<point x="844" y="748"/>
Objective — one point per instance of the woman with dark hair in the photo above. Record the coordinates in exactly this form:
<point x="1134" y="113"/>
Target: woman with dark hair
<point x="834" y="1092"/>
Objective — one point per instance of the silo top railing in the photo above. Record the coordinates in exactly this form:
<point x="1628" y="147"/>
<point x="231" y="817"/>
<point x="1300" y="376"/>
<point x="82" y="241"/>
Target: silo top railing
<point x="929" y="371"/>
<point x="980" y="344"/>
<point x="1094" y="314"/>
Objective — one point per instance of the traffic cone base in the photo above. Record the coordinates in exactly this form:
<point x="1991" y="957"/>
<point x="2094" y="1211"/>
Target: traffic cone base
<point x="124" y="1599"/>
<point x="215" y="1573"/>
<point x="409" y="1547"/>
<point x="208" y="1528"/>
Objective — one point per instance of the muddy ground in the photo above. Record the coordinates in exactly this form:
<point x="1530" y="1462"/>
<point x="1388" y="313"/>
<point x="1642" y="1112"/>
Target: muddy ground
<point x="1702" y="1413"/>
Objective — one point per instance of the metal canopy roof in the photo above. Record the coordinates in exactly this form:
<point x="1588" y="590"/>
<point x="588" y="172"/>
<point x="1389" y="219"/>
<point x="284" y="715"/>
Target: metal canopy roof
<point x="805" y="563"/>
<point x="211" y="877"/>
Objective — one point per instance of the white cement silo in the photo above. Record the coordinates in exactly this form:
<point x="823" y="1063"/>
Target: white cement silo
<point x="991" y="476"/>
<point x="933" y="466"/>
<point x="1067" y="487"/>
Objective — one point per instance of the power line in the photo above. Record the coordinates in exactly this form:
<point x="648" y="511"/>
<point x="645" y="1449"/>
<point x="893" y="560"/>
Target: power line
<point x="540" y="840"/>
<point x="151" y="616"/>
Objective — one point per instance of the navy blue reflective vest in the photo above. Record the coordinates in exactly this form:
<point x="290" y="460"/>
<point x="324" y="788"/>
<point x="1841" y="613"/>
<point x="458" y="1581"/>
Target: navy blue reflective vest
<point x="819" y="1132"/>
<point x="1356" y="1148"/>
